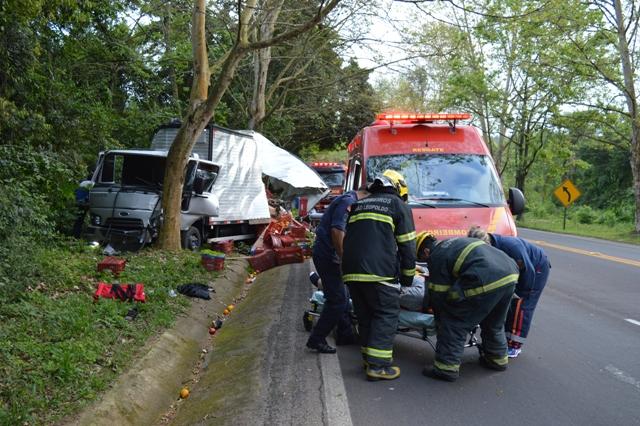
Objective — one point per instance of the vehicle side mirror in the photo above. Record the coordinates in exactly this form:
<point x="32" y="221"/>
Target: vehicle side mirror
<point x="198" y="185"/>
<point x="516" y="201"/>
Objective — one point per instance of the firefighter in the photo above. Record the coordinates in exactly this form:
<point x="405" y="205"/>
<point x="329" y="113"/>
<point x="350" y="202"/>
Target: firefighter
<point x="379" y="258"/>
<point x="470" y="283"/>
<point x="534" y="271"/>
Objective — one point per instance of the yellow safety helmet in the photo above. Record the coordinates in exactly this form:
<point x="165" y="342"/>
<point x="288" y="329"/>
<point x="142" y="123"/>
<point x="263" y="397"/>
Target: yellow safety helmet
<point x="420" y="238"/>
<point x="398" y="182"/>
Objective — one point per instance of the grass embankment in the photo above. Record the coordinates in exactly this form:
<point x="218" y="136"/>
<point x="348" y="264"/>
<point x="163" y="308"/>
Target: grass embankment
<point x="621" y="232"/>
<point x="59" y="349"/>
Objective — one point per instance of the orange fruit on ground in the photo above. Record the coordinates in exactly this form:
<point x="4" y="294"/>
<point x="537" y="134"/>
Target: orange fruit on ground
<point x="226" y="312"/>
<point x="184" y="393"/>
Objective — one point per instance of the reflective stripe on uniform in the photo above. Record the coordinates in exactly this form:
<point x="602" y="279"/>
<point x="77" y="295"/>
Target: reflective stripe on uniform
<point x="491" y="286"/>
<point x="406" y="237"/>
<point x="439" y="288"/>
<point x="408" y="272"/>
<point x="373" y="216"/>
<point x="463" y="255"/>
<point x="446" y="367"/>
<point x="500" y="360"/>
<point x="379" y="353"/>
<point x="365" y="277"/>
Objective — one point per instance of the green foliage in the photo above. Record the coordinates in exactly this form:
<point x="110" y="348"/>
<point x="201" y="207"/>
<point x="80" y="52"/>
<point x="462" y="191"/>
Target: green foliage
<point x="585" y="215"/>
<point x="59" y="349"/>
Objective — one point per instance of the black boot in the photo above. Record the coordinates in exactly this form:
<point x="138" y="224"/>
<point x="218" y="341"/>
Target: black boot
<point x="321" y="347"/>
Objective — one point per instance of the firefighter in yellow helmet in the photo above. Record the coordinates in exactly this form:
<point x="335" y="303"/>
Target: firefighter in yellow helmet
<point x="470" y="283"/>
<point x="379" y="257"/>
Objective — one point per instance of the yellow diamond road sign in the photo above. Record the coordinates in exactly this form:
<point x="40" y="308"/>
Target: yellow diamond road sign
<point x="567" y="193"/>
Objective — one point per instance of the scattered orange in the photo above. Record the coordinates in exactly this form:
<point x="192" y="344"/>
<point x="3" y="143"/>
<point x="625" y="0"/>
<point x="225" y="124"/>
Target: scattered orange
<point x="184" y="393"/>
<point x="226" y="312"/>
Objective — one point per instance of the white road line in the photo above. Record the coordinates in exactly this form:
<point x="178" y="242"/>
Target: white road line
<point x="619" y="374"/>
<point x="335" y="394"/>
<point x="632" y="321"/>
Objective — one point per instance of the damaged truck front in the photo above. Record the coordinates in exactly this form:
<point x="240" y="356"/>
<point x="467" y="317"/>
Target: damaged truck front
<point x="125" y="202"/>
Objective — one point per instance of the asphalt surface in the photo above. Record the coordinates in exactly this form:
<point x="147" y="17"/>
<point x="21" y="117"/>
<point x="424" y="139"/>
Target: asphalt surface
<point x="580" y="366"/>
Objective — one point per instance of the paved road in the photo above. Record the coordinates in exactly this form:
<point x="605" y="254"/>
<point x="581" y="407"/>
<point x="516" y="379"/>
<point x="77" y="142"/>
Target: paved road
<point x="581" y="365"/>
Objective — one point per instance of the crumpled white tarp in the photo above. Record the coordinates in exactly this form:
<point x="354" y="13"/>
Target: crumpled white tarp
<point x="289" y="173"/>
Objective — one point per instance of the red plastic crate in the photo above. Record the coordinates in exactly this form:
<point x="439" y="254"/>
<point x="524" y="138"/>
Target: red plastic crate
<point x="288" y="255"/>
<point x="113" y="264"/>
<point x="225" y="247"/>
<point x="263" y="261"/>
<point x="213" y="264"/>
<point x="298" y="232"/>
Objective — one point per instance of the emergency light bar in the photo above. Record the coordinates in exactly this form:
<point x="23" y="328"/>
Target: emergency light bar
<point x="423" y="117"/>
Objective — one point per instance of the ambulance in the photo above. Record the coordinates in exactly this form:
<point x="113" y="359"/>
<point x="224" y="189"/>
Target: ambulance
<point x="453" y="183"/>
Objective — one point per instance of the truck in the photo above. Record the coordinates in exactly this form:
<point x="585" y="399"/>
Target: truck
<point x="125" y="201"/>
<point x="224" y="196"/>
<point x="332" y="173"/>
<point x="452" y="179"/>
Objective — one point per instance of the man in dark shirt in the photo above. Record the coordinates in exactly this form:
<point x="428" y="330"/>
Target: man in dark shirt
<point x="534" y="272"/>
<point x="327" y="257"/>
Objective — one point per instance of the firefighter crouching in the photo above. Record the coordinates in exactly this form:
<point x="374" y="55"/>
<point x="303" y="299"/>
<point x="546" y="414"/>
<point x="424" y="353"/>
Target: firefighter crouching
<point x="470" y="283"/>
<point x="379" y="258"/>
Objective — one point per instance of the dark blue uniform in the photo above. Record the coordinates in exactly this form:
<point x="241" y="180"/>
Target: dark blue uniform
<point x="335" y="312"/>
<point x="534" y="272"/>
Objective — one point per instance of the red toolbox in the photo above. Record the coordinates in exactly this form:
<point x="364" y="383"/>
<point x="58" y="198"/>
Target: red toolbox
<point x="287" y="255"/>
<point x="263" y="261"/>
<point x="114" y="264"/>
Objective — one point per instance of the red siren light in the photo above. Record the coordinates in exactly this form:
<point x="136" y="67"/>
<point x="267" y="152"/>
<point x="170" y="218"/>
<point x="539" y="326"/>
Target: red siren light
<point x="422" y="117"/>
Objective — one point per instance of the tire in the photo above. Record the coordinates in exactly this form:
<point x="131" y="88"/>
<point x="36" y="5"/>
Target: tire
<point x="192" y="239"/>
<point x="307" y="321"/>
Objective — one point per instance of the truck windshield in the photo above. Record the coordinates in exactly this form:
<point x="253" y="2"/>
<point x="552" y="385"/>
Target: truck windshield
<point x="332" y="179"/>
<point x="444" y="179"/>
<point x="135" y="170"/>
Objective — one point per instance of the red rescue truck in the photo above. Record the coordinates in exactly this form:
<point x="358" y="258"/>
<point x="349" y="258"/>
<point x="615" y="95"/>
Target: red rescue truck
<point x="452" y="180"/>
<point x="332" y="174"/>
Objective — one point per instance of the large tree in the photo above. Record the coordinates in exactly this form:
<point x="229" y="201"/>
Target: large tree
<point x="208" y="87"/>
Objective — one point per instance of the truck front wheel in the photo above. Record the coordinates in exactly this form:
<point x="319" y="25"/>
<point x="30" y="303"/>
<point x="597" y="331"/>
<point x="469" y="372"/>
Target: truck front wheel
<point x="192" y="239"/>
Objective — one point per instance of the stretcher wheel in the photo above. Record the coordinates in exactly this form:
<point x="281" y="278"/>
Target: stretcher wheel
<point x="307" y="320"/>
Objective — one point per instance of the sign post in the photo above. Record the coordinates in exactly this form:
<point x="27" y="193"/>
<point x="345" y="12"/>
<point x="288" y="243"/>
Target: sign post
<point x="566" y="193"/>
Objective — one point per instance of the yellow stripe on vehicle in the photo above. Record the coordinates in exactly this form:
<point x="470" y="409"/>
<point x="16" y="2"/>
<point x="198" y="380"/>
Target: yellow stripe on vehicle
<point x="406" y="237"/>
<point x="365" y="278"/>
<point x="373" y="216"/>
<point x="463" y="255"/>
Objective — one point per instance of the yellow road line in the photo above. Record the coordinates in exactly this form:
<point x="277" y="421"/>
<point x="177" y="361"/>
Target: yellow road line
<point x="589" y="253"/>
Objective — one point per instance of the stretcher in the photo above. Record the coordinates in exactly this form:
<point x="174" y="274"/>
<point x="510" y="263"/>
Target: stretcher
<point x="417" y="325"/>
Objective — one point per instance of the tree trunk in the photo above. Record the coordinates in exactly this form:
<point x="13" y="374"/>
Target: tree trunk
<point x="168" y="49"/>
<point x="632" y="106"/>
<point x="192" y="126"/>
<point x="261" y="62"/>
